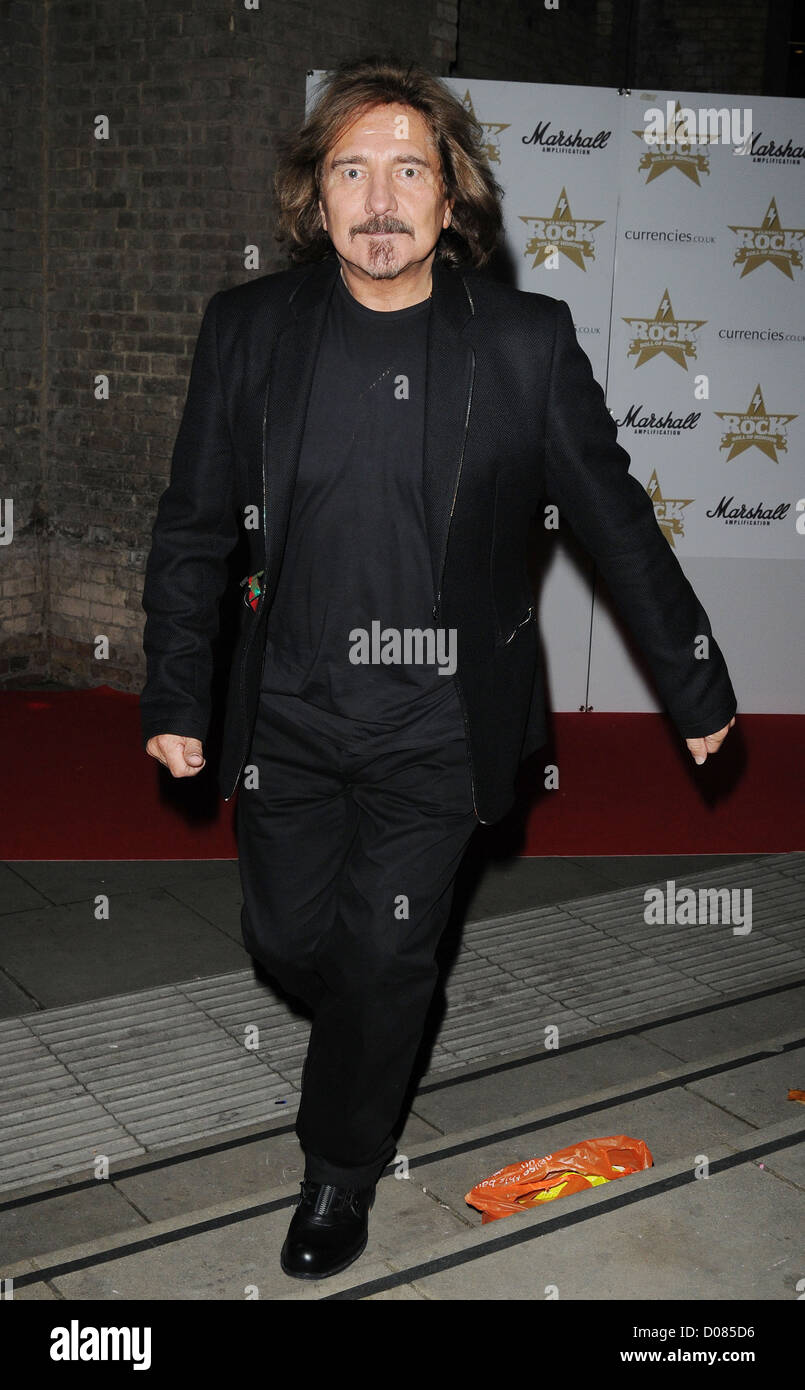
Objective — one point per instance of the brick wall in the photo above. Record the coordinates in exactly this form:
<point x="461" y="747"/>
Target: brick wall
<point x="522" y="41"/>
<point x="707" y="48"/>
<point x="130" y="236"/>
<point x="120" y="241"/>
<point x="23" y="563"/>
<point x="713" y="46"/>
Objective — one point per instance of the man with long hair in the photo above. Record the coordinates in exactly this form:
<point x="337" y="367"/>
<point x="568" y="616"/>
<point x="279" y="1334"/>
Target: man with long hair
<point x="379" y="423"/>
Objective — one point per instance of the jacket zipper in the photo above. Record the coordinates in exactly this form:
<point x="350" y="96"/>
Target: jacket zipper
<point x="260" y="601"/>
<point x="522" y="623"/>
<point x="436" y="605"/>
<point x="455" y="489"/>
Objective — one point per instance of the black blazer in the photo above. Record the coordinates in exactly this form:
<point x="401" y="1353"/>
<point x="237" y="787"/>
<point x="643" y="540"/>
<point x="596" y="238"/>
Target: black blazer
<point x="513" y="415"/>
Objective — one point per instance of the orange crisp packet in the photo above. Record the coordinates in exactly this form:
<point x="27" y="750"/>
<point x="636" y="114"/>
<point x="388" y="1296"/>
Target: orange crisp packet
<point x="560" y="1174"/>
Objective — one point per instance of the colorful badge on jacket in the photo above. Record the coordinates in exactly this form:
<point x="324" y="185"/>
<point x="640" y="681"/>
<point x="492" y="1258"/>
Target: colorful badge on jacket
<point x="251" y="596"/>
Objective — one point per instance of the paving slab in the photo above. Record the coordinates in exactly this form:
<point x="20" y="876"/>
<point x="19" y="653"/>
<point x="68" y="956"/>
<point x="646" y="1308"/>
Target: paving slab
<point x="38" y="1293"/>
<point x="693" y="1039"/>
<point x="34" y="1228"/>
<point x="216" y="898"/>
<point x="72" y="881"/>
<point x="248" y="1171"/>
<point x="407" y="1294"/>
<point x="16" y="894"/>
<point x="416" y="1131"/>
<point x="623" y="870"/>
<point x="488" y="887"/>
<point x="758" y="1092"/>
<point x="13" y="1000"/>
<point x="554" y="1079"/>
<point x="789" y="1164"/>
<point x="64" y="954"/>
<point x="33" y="1293"/>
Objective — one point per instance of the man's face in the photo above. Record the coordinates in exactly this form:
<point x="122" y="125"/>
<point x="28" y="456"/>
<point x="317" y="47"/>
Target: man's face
<point x="382" y="201"/>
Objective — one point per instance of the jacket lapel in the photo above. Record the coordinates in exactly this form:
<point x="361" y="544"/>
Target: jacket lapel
<point x="290" y="378"/>
<point x="448" y="393"/>
<point x="449" y="372"/>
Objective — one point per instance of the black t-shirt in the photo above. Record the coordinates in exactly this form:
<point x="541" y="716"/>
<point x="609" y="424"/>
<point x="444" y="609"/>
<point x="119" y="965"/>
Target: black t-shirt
<point x="357" y="559"/>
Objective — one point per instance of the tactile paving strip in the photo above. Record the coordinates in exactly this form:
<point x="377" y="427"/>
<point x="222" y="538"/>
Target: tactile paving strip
<point x="134" y="1073"/>
<point x="50" y="1124"/>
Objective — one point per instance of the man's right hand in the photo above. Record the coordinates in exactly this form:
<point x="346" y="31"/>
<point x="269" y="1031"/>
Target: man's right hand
<point x="183" y="757"/>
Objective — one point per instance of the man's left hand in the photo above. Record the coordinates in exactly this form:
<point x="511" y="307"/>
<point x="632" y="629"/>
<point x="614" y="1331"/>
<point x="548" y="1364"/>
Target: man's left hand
<point x="700" y="747"/>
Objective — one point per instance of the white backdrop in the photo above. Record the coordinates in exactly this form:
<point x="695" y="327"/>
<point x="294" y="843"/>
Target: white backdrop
<point x="682" y="264"/>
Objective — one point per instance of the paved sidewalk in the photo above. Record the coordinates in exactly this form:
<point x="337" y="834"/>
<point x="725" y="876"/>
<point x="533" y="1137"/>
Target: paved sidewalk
<point x="689" y="1037"/>
<point x="719" y="1216"/>
<point x="129" y="1074"/>
<point x="172" y="920"/>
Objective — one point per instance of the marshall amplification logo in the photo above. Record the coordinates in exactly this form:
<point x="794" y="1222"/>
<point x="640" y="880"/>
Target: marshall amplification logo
<point x="668" y="510"/>
<point x="650" y="423"/>
<point x="492" y="131"/>
<point x="756" y="514"/>
<point x="664" y="333"/>
<point x="674" y="149"/>
<point x="563" y="232"/>
<point x="780" y="246"/>
<point x="754" y="427"/>
<point x="770" y="153"/>
<point x="559" y="141"/>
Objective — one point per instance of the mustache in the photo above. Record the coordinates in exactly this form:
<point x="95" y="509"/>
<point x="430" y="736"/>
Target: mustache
<point x="381" y="224"/>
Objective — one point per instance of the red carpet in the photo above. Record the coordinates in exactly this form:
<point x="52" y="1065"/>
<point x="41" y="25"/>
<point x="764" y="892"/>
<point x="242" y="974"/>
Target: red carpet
<point x="78" y="786"/>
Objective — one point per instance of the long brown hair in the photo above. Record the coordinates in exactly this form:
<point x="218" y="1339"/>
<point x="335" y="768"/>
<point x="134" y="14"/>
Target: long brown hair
<point x="350" y="90"/>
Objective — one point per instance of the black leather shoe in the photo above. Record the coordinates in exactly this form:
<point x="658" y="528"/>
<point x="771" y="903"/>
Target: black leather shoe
<point x="328" y="1230"/>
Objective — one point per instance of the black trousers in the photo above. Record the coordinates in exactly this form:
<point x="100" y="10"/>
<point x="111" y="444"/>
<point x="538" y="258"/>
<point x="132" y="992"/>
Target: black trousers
<point x="348" y="851"/>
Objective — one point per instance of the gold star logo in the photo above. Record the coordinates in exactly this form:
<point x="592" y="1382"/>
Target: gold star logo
<point x="754" y="427"/>
<point x="663" y="333"/>
<point x="492" y="131"/>
<point x="668" y="510"/>
<point x="561" y="232"/>
<point x="677" y="150"/>
<point x="780" y="246"/>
